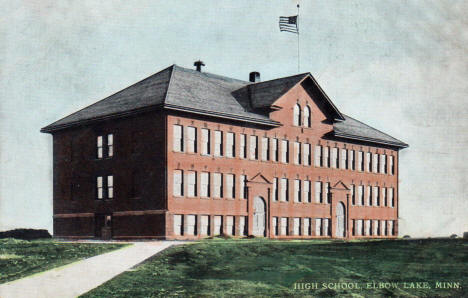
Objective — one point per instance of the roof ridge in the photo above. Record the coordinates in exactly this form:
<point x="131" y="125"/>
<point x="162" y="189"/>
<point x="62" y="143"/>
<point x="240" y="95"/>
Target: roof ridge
<point x="296" y="75"/>
<point x="208" y="74"/>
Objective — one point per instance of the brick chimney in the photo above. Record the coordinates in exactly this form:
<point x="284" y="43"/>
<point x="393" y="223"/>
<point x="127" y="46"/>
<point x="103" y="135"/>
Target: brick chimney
<point x="254" y="77"/>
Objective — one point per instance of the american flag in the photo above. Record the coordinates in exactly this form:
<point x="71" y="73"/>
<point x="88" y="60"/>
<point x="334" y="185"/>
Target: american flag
<point x="289" y="24"/>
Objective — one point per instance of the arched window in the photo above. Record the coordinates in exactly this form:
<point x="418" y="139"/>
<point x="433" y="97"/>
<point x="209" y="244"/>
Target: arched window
<point x="297" y="115"/>
<point x="307" y="119"/>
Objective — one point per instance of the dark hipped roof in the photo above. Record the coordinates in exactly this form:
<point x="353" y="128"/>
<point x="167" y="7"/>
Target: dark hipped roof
<point x="178" y="88"/>
<point x="353" y="129"/>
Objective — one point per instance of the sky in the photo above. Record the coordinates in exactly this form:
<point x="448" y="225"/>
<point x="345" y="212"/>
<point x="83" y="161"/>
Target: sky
<point x="399" y="66"/>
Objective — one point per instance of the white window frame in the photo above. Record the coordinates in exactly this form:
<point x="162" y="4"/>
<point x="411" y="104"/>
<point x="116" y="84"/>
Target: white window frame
<point x="178" y="183"/>
<point x="230" y="186"/>
<point x="307" y="185"/>
<point x="230" y="144"/>
<point x="178" y="138"/>
<point x="306" y="154"/>
<point x="297" y="115"/>
<point x="265" y="148"/>
<point x="253" y="148"/>
<point x="297" y="153"/>
<point x="206" y="141"/>
<point x="274" y="150"/>
<point x="217" y="185"/>
<point x="318" y="156"/>
<point x="284" y="196"/>
<point x="204" y="184"/>
<point x="243" y="146"/>
<point x="218" y="143"/>
<point x="297" y="191"/>
<point x="191" y="184"/>
<point x="284" y="151"/>
<point x="191" y="139"/>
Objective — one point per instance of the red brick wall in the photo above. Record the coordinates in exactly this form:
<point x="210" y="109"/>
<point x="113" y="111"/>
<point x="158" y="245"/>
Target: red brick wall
<point x="313" y="135"/>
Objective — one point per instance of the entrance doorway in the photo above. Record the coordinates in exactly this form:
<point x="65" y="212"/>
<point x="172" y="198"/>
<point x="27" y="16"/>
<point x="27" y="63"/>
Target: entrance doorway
<point x="340" y="220"/>
<point x="259" y="216"/>
<point x="103" y="226"/>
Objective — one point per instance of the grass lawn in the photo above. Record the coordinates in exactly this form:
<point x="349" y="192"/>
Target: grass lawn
<point x="271" y="268"/>
<point x="19" y="258"/>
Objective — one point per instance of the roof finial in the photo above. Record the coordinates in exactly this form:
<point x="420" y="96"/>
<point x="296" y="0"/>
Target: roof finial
<point x="199" y="65"/>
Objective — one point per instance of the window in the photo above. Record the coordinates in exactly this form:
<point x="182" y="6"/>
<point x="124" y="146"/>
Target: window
<point x="391" y="197"/>
<point x="368" y="228"/>
<point x="296" y="226"/>
<point x="110" y="187"/>
<point x="297" y="153"/>
<point x="99" y="187"/>
<point x="242" y="146"/>
<point x="243" y="225"/>
<point x="100" y="150"/>
<point x="383" y="164"/>
<point x="306" y="149"/>
<point x="205" y="184"/>
<point x="285" y="151"/>
<point x="243" y="187"/>
<point x="105" y="187"/>
<point x="205" y="139"/>
<point x="307" y="191"/>
<point x="307" y="118"/>
<point x="318" y="192"/>
<point x="297" y="115"/>
<point x="191" y="184"/>
<point x="384" y="197"/>
<point x="307" y="226"/>
<point x="275" y="189"/>
<point x="230" y="225"/>
<point x="265" y="148"/>
<point x="327" y="196"/>
<point x="352" y="164"/>
<point x="178" y="140"/>
<point x="369" y="195"/>
<point x="359" y="227"/>
<point x="178" y="188"/>
<point x="218" y="143"/>
<point x="326" y="227"/>
<point x="253" y="147"/>
<point x="375" y="225"/>
<point x="105" y="146"/>
<point x="392" y="165"/>
<point x="205" y="225"/>
<point x="361" y="195"/>
<point x="275" y="226"/>
<point x="368" y="162"/>
<point x="344" y="159"/>
<point x="217" y="185"/>
<point x="110" y="145"/>
<point x="375" y="194"/>
<point x="297" y="190"/>
<point x="326" y="157"/>
<point x="360" y="161"/>
<point x="353" y="194"/>
<point x="383" y="227"/>
<point x="230" y="144"/>
<point x="178" y="224"/>
<point x="230" y="189"/>
<point x="218" y="225"/>
<point x="318" y="227"/>
<point x="274" y="149"/>
<point x="191" y="224"/>
<point x="284" y="190"/>
<point x="334" y="158"/>
<point x="318" y="156"/>
<point x="392" y="228"/>
<point x="191" y="139"/>
<point x="284" y="226"/>
<point x="375" y="163"/>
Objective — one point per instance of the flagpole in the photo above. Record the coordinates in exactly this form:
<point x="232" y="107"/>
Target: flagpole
<point x="298" y="54"/>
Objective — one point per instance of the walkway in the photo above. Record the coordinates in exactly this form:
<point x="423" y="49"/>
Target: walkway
<point x="80" y="277"/>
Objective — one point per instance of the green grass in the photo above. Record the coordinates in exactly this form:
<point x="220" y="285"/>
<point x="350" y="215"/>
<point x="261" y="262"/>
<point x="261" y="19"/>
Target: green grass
<point x="217" y="268"/>
<point x="20" y="258"/>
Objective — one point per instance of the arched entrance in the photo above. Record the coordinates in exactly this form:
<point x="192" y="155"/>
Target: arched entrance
<point x="340" y="220"/>
<point x="259" y="216"/>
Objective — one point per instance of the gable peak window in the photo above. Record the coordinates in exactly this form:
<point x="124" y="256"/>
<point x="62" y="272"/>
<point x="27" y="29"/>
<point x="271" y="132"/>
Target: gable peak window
<point x="297" y="115"/>
<point x="307" y="117"/>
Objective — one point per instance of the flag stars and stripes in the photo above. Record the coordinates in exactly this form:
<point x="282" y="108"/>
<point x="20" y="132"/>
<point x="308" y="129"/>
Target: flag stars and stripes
<point x="289" y="24"/>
